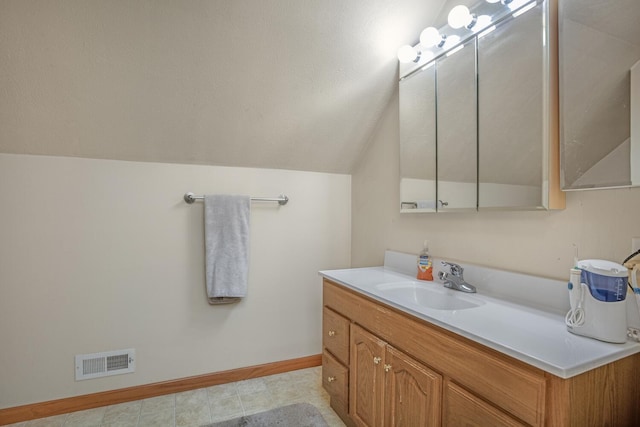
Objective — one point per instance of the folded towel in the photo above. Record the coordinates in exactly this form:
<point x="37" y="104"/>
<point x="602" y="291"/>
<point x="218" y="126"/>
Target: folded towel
<point x="226" y="229"/>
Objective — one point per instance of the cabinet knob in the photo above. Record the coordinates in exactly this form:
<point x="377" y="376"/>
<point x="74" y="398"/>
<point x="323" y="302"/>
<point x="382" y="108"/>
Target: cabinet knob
<point x="377" y="360"/>
<point x="331" y="379"/>
<point x="387" y="368"/>
<point x="332" y="333"/>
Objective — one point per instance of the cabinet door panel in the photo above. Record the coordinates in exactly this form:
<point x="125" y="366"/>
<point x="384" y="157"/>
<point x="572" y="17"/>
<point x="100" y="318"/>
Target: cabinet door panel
<point x="366" y="382"/>
<point x="463" y="409"/>
<point x="412" y="392"/>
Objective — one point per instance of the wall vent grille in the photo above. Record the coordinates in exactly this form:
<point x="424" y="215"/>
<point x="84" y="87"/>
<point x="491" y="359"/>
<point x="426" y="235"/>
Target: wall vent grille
<point x="103" y="364"/>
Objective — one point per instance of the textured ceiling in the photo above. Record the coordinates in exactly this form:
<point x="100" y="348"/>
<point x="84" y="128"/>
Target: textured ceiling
<point x="291" y="84"/>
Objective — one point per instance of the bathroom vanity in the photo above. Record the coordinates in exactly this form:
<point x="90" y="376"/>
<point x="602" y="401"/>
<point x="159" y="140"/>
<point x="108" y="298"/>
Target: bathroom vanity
<point x="438" y="358"/>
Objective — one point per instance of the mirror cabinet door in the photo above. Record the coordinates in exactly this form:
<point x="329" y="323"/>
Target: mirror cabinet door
<point x="599" y="44"/>
<point x="512" y="113"/>
<point x="418" y="142"/>
<point x="457" y="151"/>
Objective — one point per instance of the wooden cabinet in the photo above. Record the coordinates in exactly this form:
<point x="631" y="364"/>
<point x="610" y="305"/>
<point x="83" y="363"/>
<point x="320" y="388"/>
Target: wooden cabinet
<point x="389" y="388"/>
<point x="397" y="370"/>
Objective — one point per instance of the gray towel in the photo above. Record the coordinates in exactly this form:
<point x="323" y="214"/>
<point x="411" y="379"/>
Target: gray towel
<point x="226" y="231"/>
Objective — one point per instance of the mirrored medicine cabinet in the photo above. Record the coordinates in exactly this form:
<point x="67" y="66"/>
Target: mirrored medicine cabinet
<point x="478" y="127"/>
<point x="599" y="93"/>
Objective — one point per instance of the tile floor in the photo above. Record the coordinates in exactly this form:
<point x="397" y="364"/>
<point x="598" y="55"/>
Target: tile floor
<point x="205" y="405"/>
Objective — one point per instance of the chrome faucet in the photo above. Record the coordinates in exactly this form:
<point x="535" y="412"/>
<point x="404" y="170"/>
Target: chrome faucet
<point x="454" y="280"/>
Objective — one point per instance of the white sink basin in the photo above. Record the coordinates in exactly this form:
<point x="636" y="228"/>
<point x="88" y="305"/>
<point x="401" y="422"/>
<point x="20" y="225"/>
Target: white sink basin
<point x="426" y="295"/>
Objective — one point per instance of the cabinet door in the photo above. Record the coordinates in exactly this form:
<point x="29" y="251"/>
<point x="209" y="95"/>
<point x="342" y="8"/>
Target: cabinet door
<point x="457" y="130"/>
<point x="463" y="409"/>
<point x="417" y="95"/>
<point x="513" y="113"/>
<point x="412" y="392"/>
<point x="366" y="378"/>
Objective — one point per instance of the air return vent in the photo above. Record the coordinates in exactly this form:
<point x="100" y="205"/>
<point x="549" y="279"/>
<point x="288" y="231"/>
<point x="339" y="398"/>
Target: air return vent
<point x="104" y="364"/>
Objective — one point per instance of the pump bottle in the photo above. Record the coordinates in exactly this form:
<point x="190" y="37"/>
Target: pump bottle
<point x="425" y="267"/>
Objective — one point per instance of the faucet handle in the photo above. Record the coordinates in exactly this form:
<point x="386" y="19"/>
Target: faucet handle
<point x="456" y="269"/>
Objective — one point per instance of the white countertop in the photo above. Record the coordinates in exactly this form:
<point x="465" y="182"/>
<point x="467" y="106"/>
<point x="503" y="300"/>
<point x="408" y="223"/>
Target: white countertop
<point x="534" y="336"/>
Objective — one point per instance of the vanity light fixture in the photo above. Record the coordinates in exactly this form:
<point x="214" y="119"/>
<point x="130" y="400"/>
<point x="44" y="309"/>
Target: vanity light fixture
<point x="430" y="37"/>
<point x="484" y="21"/>
<point x="408" y="53"/>
<point x="451" y="42"/>
<point x="427" y="55"/>
<point x="460" y="17"/>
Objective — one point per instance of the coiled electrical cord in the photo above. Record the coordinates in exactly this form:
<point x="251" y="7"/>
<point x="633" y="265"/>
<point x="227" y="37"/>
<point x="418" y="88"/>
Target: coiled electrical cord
<point x="631" y="256"/>
<point x="575" y="317"/>
<point x="627" y="259"/>
<point x="633" y="333"/>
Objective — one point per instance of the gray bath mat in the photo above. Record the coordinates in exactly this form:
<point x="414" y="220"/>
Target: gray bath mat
<point x="296" y="415"/>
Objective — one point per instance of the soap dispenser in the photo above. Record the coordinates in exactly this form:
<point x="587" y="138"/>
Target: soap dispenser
<point x="425" y="266"/>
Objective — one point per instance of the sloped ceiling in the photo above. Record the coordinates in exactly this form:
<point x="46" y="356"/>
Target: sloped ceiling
<point x="290" y="84"/>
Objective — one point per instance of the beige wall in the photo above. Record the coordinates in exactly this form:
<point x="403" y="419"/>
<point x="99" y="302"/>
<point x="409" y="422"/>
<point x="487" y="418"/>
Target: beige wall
<point x="100" y="255"/>
<point x="601" y="223"/>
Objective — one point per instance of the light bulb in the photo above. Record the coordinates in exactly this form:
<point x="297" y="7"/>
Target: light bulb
<point x="452" y="40"/>
<point x="493" y="1"/>
<point x="460" y="17"/>
<point x="427" y="55"/>
<point x="483" y="22"/>
<point x="407" y="53"/>
<point x="430" y="37"/>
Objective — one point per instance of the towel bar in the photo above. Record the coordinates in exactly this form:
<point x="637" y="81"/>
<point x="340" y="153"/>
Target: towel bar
<point x="282" y="199"/>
